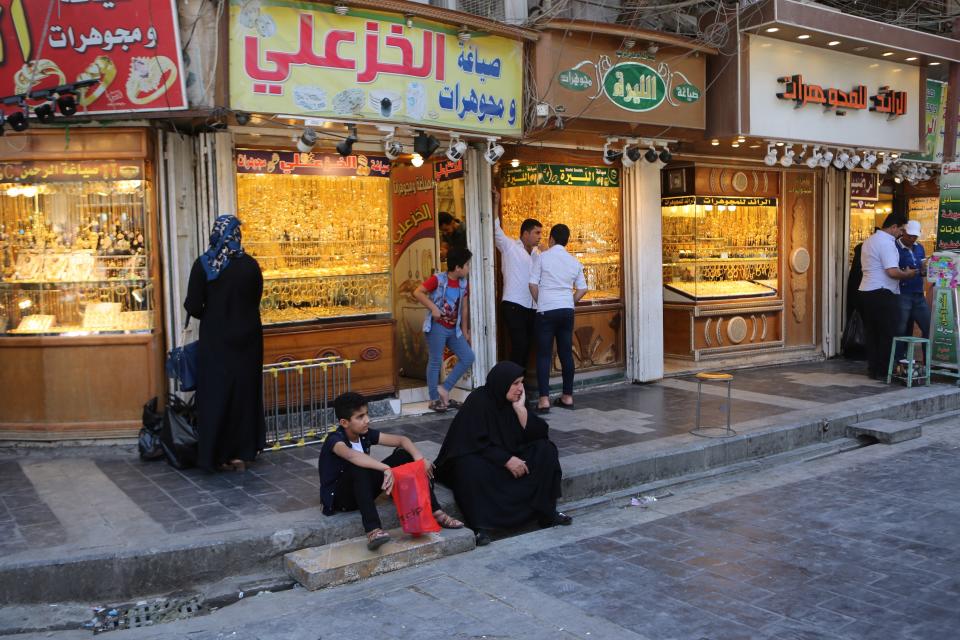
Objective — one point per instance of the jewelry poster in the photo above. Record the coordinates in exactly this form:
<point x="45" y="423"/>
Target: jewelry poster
<point x="414" y="239"/>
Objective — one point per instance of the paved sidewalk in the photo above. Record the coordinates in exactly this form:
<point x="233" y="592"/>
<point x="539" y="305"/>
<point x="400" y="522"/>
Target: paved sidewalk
<point x="859" y="546"/>
<point x="94" y="504"/>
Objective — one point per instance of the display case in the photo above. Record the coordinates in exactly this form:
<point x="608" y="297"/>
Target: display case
<point x="75" y="255"/>
<point x="592" y="212"/>
<point x="865" y="217"/>
<point x="717" y="248"/>
<point x="322" y="243"/>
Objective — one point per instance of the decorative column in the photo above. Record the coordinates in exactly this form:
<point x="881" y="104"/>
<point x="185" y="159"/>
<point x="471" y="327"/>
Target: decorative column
<point x="643" y="271"/>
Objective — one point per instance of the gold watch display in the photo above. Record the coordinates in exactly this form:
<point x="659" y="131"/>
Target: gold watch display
<point x="593" y="215"/>
<point x="321" y="242"/>
<point x="719" y="247"/>
<point x="75" y="255"/>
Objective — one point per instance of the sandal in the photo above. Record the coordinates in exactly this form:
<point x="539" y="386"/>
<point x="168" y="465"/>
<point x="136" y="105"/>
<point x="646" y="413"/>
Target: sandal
<point x="446" y="521"/>
<point x="376" y="539"/>
<point x="454" y="404"/>
<point x="438" y="406"/>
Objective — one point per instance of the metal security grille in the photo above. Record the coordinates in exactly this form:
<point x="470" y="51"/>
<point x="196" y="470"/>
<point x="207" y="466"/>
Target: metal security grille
<point x="298" y="399"/>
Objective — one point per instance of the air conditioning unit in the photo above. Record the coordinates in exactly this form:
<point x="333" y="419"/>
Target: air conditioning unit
<point x="490" y="9"/>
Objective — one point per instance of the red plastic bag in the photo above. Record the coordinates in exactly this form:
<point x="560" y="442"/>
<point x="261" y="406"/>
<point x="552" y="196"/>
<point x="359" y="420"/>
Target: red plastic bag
<point x="411" y="495"/>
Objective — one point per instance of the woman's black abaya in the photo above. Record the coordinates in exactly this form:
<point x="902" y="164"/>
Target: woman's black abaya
<point x="230" y="361"/>
<point x="484" y="435"/>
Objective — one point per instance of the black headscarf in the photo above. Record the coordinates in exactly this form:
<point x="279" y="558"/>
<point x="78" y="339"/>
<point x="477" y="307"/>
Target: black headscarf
<point x="486" y="419"/>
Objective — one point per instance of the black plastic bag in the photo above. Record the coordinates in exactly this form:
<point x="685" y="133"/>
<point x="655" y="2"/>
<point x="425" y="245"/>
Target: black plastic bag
<point x="149" y="440"/>
<point x="853" y="344"/>
<point x="179" y="433"/>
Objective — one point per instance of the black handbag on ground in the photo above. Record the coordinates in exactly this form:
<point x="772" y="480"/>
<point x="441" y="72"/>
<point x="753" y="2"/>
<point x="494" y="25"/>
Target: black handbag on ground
<point x="148" y="442"/>
<point x="853" y="344"/>
<point x="182" y="362"/>
<point x="179" y="437"/>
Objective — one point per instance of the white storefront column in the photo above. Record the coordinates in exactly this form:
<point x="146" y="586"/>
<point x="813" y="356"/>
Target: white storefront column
<point x="643" y="271"/>
<point x="836" y="233"/>
<point x="478" y="181"/>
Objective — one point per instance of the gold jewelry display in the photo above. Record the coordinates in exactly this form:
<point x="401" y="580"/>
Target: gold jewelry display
<point x="593" y="215"/>
<point x="321" y="241"/>
<point x="721" y="251"/>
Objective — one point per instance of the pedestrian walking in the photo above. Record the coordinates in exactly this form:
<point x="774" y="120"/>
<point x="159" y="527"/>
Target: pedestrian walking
<point x="517" y="308"/>
<point x="556" y="284"/>
<point x="880" y="290"/>
<point x="447" y="324"/>
<point x="224" y="292"/>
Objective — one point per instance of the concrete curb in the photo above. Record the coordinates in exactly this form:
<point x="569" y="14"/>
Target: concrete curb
<point x="115" y="575"/>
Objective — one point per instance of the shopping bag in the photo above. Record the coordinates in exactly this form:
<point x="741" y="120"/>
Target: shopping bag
<point x="853" y="343"/>
<point x="411" y="495"/>
<point x="178" y="436"/>
<point x="148" y="441"/>
<point x="182" y="362"/>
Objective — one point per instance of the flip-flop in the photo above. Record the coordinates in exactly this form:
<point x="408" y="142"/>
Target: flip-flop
<point x="453" y="404"/>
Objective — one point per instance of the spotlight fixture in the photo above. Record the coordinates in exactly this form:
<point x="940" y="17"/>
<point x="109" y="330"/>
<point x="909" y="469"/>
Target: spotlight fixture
<point x="665" y="155"/>
<point x="826" y="158"/>
<point x="771" y="158"/>
<point x="242" y="117"/>
<point x="457" y="148"/>
<point x="651" y="154"/>
<point x="44" y="112"/>
<point x="610" y="155"/>
<point x="307" y="140"/>
<point x="392" y="148"/>
<point x="715" y="142"/>
<point x="494" y="151"/>
<point x="341" y="9"/>
<point x="463" y="35"/>
<point x="18" y="121"/>
<point x="883" y="167"/>
<point x="345" y="147"/>
<point x="631" y="155"/>
<point x="416" y="160"/>
<point x="787" y="159"/>
<point x="515" y="163"/>
<point x="425" y="144"/>
<point x="409" y="20"/>
<point x="843" y="156"/>
<point x="838" y="162"/>
<point x="855" y="158"/>
<point x="625" y="156"/>
<point x="803" y="154"/>
<point x="813" y="160"/>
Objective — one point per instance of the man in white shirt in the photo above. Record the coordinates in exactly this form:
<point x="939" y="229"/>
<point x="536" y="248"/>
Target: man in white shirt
<point x="516" y="303"/>
<point x="879" y="289"/>
<point x="554" y="276"/>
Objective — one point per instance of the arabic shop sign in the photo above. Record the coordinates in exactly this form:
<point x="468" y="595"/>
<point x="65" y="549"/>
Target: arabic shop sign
<point x="948" y="220"/>
<point x="312" y="164"/>
<point x="575" y="80"/>
<point x="559" y="175"/>
<point x="297" y="58"/>
<point x="634" y="87"/>
<point x="886" y="101"/>
<point x="726" y="201"/>
<point x="864" y="185"/>
<point x="131" y="46"/>
<point x="63" y="171"/>
<point x="447" y="170"/>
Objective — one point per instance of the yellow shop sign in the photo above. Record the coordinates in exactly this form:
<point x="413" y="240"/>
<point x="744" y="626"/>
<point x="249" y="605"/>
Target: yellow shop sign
<point x="302" y="58"/>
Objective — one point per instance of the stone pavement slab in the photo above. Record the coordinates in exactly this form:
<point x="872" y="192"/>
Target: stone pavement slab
<point x="885" y="431"/>
<point x="91" y="513"/>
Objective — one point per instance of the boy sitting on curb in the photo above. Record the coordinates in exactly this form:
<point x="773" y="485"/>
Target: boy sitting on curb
<point x="351" y="479"/>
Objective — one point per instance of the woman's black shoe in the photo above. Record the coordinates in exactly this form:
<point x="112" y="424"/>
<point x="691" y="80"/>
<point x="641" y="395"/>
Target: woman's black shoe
<point x="483" y="538"/>
<point x="557" y="519"/>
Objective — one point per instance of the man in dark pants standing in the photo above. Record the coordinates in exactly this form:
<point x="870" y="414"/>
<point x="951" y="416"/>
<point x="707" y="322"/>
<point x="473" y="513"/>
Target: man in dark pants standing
<point x="516" y="304"/>
<point x="557" y="284"/>
<point x="879" y="291"/>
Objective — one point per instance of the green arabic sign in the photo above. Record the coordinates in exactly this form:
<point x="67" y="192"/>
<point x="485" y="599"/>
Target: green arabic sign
<point x="944" y="329"/>
<point x="575" y="80"/>
<point x="634" y="86"/>
<point x="559" y="175"/>
<point x="686" y="92"/>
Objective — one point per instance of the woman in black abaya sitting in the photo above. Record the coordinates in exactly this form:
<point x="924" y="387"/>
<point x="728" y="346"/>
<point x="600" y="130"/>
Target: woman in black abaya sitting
<point x="497" y="458"/>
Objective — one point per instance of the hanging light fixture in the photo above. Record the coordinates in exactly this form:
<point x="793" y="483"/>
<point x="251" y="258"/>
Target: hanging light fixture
<point x="457" y="148"/>
<point x="813" y="160"/>
<point x="494" y="151"/>
<point x="787" y="159"/>
<point x="771" y="158"/>
<point x="392" y="148"/>
<point x="416" y="160"/>
<point x="425" y="144"/>
<point x="345" y="147"/>
<point x="625" y="156"/>
<point x="610" y="155"/>
<point x="651" y="155"/>
<point x="826" y="158"/>
<point x="665" y="155"/>
<point x="307" y="140"/>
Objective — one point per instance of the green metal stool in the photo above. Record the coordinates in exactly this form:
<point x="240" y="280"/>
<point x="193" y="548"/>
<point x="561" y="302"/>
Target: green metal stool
<point x="912" y="344"/>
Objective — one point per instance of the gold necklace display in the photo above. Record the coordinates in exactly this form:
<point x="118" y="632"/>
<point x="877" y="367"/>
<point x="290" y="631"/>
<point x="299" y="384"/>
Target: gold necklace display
<point x="593" y="215"/>
<point x="321" y="241"/>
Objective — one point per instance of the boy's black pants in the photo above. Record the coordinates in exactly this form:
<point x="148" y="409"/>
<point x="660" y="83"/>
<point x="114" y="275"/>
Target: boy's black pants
<point x="358" y="488"/>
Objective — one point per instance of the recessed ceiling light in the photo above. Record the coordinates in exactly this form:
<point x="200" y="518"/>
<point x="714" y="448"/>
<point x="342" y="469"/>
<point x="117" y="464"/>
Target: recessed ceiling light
<point x="779" y="144"/>
<point x="773" y="30"/>
<point x="911" y="58"/>
<point x="934" y="64"/>
<point x="803" y="36"/>
<point x="741" y="139"/>
<point x="833" y="43"/>
<point x="895" y="70"/>
<point x="860" y="49"/>
<point x="735" y="145"/>
<point x="874" y="65"/>
<point x="754" y="146"/>
<point x="715" y="142"/>
<point x="887" y="54"/>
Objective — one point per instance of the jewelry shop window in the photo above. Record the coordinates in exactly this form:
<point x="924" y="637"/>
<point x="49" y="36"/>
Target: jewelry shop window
<point x="318" y="226"/>
<point x="75" y="249"/>
<point x="720" y="247"/>
<point x="586" y="199"/>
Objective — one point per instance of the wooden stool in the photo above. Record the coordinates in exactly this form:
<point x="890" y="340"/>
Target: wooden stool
<point x="711" y="432"/>
<point x="912" y="344"/>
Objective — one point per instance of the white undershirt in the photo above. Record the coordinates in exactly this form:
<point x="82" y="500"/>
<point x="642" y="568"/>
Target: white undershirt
<point x="357" y="446"/>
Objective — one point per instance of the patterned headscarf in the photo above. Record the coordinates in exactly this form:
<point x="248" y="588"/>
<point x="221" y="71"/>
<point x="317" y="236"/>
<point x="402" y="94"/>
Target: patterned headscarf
<point x="224" y="246"/>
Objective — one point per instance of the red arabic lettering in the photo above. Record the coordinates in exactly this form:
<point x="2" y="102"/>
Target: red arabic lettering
<point x="374" y="66"/>
<point x="305" y="55"/>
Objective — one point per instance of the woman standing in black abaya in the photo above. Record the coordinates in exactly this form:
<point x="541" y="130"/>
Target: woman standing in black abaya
<point x="497" y="458"/>
<point x="224" y="292"/>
